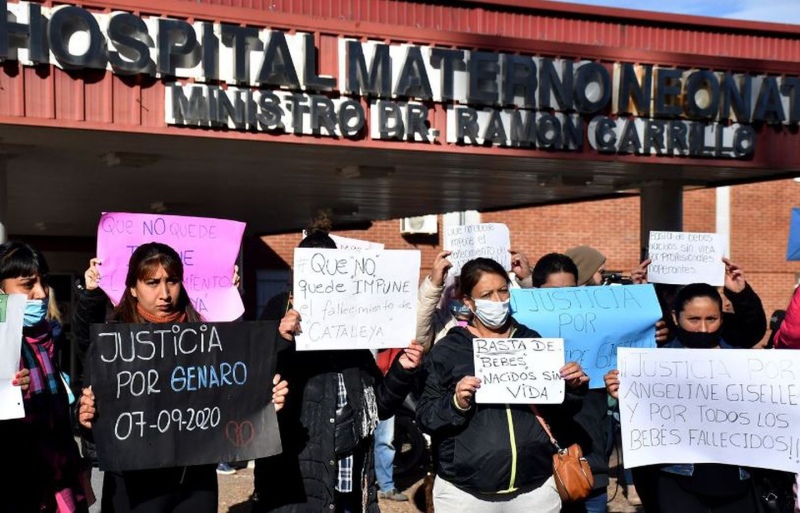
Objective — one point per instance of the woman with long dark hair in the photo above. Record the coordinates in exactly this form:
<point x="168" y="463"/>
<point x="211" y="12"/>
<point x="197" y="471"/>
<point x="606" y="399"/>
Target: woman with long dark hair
<point x="48" y="473"/>
<point x="154" y="293"/>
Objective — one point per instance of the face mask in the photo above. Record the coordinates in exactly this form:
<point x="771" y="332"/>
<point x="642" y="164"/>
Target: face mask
<point x="698" y="339"/>
<point x="492" y="314"/>
<point x="459" y="309"/>
<point x="35" y="312"/>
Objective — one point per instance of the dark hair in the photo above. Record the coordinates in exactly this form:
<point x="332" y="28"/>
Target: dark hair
<point x="553" y="263"/>
<point x="694" y="291"/>
<point x="18" y="259"/>
<point x="143" y="264"/>
<point x="472" y="271"/>
<point x="317" y="240"/>
<point x="317" y="233"/>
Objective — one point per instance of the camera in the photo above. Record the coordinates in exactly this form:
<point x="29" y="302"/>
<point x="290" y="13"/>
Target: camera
<point x="616" y="278"/>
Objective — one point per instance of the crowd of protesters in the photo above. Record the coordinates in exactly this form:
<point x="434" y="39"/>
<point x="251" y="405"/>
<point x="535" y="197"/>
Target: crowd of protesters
<point x="486" y="457"/>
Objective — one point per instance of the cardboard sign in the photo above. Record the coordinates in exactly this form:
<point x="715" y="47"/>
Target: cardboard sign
<point x="12" y="312"/>
<point x="208" y="249"/>
<point x="738" y="407"/>
<point x="183" y="394"/>
<point x="519" y="370"/>
<point x="680" y="258"/>
<point x="488" y="240"/>
<point x="355" y="299"/>
<point x="348" y="243"/>
<point x="593" y="321"/>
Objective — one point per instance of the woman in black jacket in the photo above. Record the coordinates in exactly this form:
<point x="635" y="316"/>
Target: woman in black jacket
<point x="702" y="487"/>
<point x="154" y="294"/>
<point x="326" y="464"/>
<point x="489" y="457"/>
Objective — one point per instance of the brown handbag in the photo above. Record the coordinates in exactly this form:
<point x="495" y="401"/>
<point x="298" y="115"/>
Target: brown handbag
<point x="571" y="471"/>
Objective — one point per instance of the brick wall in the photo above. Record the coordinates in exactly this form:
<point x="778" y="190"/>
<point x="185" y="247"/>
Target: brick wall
<point x="759" y="232"/>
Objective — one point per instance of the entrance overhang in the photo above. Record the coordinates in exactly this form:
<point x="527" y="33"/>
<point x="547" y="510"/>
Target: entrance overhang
<point x="95" y="140"/>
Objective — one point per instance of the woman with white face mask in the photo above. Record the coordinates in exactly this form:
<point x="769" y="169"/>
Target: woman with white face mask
<point x="48" y="474"/>
<point x="490" y="457"/>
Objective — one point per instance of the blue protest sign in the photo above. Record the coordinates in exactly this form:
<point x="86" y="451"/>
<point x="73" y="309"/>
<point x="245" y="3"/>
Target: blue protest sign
<point x="593" y="321"/>
<point x="793" y="248"/>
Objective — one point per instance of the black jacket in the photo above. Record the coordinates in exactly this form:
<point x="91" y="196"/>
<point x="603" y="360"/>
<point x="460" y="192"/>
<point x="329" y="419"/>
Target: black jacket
<point x="744" y="327"/>
<point x="122" y="491"/>
<point x="303" y="478"/>
<point x="473" y="449"/>
<point x="591" y="429"/>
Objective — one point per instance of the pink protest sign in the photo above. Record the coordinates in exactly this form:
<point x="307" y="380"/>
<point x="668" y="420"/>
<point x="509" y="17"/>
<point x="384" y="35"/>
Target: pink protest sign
<point x="208" y="250"/>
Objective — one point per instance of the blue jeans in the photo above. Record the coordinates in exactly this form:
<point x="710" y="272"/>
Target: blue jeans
<point x="384" y="454"/>
<point x="597" y="503"/>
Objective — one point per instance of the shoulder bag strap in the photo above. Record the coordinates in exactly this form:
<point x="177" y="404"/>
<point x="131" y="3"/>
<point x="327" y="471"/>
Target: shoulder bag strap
<point x="546" y="428"/>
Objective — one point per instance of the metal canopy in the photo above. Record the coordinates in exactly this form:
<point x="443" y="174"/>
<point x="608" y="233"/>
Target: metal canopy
<point x="60" y="180"/>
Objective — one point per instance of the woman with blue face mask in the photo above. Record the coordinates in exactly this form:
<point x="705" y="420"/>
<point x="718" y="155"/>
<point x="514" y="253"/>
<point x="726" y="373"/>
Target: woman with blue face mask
<point x="493" y="458"/>
<point x="48" y="474"/>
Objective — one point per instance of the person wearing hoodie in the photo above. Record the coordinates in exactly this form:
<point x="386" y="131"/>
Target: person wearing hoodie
<point x="488" y="457"/>
<point x="590" y="263"/>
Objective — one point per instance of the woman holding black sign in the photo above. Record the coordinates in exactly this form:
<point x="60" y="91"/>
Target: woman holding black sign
<point x="47" y="473"/>
<point x="154" y="294"/>
<point x="489" y="457"/>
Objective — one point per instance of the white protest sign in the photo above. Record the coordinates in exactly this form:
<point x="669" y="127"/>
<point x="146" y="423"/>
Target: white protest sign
<point x="12" y="312"/>
<point x="739" y="407"/>
<point x="355" y="299"/>
<point x="468" y="241"/>
<point x="519" y="370"/>
<point x="348" y="243"/>
<point x="680" y="258"/>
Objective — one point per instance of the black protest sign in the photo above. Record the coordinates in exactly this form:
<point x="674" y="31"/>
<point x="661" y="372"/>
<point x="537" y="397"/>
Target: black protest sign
<point x="183" y="394"/>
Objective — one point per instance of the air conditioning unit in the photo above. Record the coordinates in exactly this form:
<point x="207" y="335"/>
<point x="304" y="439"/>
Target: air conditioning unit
<point x="420" y="224"/>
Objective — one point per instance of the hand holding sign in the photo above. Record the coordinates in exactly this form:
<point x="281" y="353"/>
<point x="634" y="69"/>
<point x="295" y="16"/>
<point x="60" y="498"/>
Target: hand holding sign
<point x="412" y="356"/>
<point x="734" y="277"/>
<point x="279" y="392"/>
<point x="92" y="275"/>
<point x="441" y="265"/>
<point x="22" y="379"/>
<point x="612" y="383"/>
<point x="86" y="408"/>
<point x="290" y="325"/>
<point x="465" y="391"/>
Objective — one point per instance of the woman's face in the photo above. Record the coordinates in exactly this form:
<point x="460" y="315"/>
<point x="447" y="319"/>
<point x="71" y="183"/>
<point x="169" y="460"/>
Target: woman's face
<point x="490" y="287"/>
<point x="158" y="294"/>
<point x="701" y="314"/>
<point x="31" y="286"/>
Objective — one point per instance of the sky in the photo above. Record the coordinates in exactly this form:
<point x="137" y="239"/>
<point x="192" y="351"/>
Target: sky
<point x="780" y="11"/>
